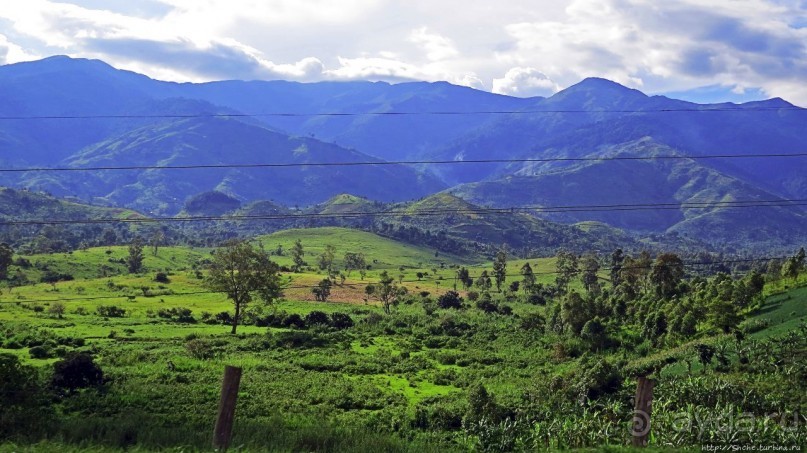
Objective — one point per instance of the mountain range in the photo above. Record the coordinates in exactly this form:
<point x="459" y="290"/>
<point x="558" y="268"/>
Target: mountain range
<point x="615" y="146"/>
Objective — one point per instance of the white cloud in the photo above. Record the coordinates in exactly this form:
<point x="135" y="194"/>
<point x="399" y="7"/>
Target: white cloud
<point x="437" y="47"/>
<point x="525" y="82"/>
<point x="12" y="53"/>
<point x="670" y="46"/>
<point x="512" y="46"/>
<point x="374" y="68"/>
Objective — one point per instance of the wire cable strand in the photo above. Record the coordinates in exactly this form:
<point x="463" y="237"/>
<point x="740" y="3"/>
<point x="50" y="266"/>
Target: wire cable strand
<point x="399" y="162"/>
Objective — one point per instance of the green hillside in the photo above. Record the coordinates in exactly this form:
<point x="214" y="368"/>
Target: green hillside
<point x="449" y="214"/>
<point x="29" y="213"/>
<point x="380" y="252"/>
<point x="661" y="185"/>
<point x="203" y="141"/>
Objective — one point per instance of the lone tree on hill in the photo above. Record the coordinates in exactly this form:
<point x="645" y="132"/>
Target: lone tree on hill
<point x="297" y="254"/>
<point x="325" y="260"/>
<point x="322" y="291"/>
<point x="134" y="261"/>
<point x="354" y="261"/>
<point x="6" y="257"/>
<point x="386" y="291"/>
<point x="243" y="272"/>
<point x="500" y="268"/>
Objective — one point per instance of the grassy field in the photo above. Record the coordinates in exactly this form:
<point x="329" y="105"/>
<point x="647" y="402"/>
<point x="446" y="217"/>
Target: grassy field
<point x="407" y="373"/>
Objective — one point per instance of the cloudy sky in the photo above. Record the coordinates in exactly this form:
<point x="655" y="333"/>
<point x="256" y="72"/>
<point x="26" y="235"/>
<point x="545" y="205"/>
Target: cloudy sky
<point x="704" y="50"/>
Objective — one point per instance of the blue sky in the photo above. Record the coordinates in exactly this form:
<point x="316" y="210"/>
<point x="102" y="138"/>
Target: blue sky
<point x="707" y="50"/>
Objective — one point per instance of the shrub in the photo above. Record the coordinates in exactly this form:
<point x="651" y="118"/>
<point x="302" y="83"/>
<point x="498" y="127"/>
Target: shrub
<point x="24" y="408"/>
<point x="299" y="340"/>
<point x="223" y="318"/>
<point x="177" y="314"/>
<point x="76" y="371"/>
<point x="53" y="277"/>
<point x="341" y="321"/>
<point x="317" y="318"/>
<point x="200" y="349"/>
<point x="451" y="299"/>
<point x="487" y="306"/>
<point x="533" y="322"/>
<point x="39" y="352"/>
<point x="294" y="321"/>
<point x="162" y="277"/>
<point x="110" y="311"/>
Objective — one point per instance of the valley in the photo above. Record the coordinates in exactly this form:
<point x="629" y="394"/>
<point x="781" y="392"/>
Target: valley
<point x="405" y="267"/>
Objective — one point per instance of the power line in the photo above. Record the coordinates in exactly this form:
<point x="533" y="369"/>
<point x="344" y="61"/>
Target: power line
<point x="403" y="113"/>
<point x="784" y="203"/>
<point x="401" y="162"/>
<point x="354" y="285"/>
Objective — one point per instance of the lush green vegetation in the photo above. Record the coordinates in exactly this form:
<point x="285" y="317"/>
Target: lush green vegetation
<point x="546" y="361"/>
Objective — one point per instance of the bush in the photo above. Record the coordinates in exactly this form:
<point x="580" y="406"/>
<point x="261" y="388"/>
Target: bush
<point x="54" y="277"/>
<point x="451" y="299"/>
<point x="341" y="321"/>
<point x="294" y="321"/>
<point x="162" y="277"/>
<point x="200" y="349"/>
<point x="24" y="408"/>
<point x="177" y="314"/>
<point x="487" y="306"/>
<point x="76" y="371"/>
<point x="40" y="352"/>
<point x="299" y="340"/>
<point x="317" y="318"/>
<point x="110" y="311"/>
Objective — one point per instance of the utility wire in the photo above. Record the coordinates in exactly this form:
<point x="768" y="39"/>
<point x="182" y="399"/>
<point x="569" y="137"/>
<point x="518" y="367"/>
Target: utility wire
<point x="355" y="285"/>
<point x="400" y="162"/>
<point x="426" y="212"/>
<point x="405" y="113"/>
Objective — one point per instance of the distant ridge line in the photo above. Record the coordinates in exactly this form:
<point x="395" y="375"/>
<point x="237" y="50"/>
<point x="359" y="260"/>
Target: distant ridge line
<point x="402" y="162"/>
<point x="705" y="109"/>
<point x="784" y="203"/>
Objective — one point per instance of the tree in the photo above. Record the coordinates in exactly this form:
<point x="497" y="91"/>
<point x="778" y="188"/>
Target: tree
<point x="483" y="282"/>
<point x="134" y="260"/>
<point x="794" y="265"/>
<point x="575" y="312"/>
<point x="354" y="261"/>
<point x="635" y="271"/>
<point x="723" y="315"/>
<point x="616" y="267"/>
<point x="666" y="274"/>
<point x="325" y="260"/>
<point x="6" y="258"/>
<point x="465" y="278"/>
<point x="156" y="240"/>
<point x="527" y="277"/>
<point x="500" y="268"/>
<point x="588" y="277"/>
<point x="57" y="309"/>
<point x="323" y="290"/>
<point x="297" y="254"/>
<point x="594" y="333"/>
<point x="567" y="268"/>
<point x="387" y="292"/>
<point x="242" y="272"/>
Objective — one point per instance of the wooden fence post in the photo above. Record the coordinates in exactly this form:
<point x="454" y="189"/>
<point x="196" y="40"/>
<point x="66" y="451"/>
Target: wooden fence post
<point x="229" y="394"/>
<point x="640" y="430"/>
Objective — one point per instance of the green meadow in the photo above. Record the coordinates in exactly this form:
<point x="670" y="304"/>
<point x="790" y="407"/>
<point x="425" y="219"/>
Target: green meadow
<point x="408" y="381"/>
